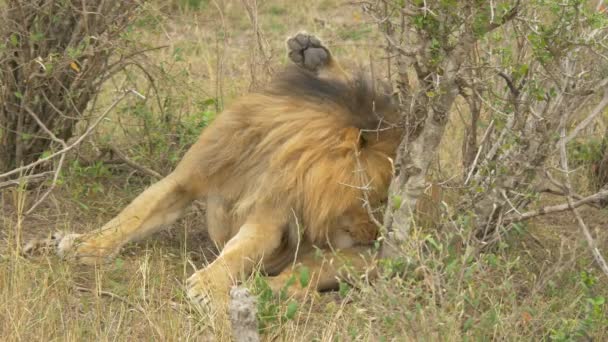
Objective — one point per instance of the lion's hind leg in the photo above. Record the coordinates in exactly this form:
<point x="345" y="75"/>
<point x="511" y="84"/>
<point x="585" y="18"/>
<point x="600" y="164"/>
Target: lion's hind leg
<point x="308" y="52"/>
<point x="159" y="205"/>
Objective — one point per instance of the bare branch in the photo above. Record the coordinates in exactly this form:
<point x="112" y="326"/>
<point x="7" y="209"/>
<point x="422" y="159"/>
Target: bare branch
<point x="559" y="207"/>
<point x="35" y="178"/>
<point x="71" y="146"/>
<point x="505" y="18"/>
<point x="512" y="87"/>
<point x="592" y="116"/>
<point x="474" y="164"/>
<point x="131" y="163"/>
<point x="411" y="52"/>
<point x="44" y="128"/>
<point x="51" y="187"/>
<point x="59" y="164"/>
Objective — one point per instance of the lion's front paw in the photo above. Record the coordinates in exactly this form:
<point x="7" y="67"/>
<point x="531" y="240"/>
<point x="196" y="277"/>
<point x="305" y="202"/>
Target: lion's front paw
<point x="43" y="246"/>
<point x="83" y="249"/>
<point x="209" y="290"/>
<point x="307" y="51"/>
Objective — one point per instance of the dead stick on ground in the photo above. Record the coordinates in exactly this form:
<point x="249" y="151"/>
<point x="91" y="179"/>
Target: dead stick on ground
<point x="137" y="307"/>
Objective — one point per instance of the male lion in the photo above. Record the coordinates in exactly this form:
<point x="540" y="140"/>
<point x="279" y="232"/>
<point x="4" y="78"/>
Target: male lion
<point x="286" y="171"/>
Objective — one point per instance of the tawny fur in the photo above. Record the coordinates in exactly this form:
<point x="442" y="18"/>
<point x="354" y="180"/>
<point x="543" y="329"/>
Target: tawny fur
<point x="297" y="157"/>
<point x="283" y="169"/>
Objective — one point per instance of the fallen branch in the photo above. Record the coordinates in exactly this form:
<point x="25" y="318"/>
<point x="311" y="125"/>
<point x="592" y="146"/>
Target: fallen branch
<point x="558" y="208"/>
<point x="131" y="163"/>
<point x="589" y="200"/>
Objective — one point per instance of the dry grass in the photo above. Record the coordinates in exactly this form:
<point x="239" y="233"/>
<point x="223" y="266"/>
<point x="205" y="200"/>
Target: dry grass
<point x="539" y="283"/>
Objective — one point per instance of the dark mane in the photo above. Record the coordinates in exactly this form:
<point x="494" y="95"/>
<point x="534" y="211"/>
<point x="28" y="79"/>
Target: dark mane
<point x="365" y="105"/>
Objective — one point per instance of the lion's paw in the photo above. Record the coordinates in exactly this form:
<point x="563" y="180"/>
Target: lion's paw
<point x="48" y="245"/>
<point x="84" y="249"/>
<point x="65" y="243"/>
<point x="209" y="291"/>
<point x="307" y="51"/>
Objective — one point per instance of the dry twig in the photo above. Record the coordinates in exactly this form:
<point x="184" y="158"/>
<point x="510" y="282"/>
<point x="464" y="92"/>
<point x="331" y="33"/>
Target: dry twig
<point x="141" y="168"/>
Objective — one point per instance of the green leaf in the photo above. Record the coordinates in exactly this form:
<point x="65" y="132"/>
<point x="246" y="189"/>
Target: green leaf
<point x="290" y="281"/>
<point x="304" y="276"/>
<point x="36" y="36"/>
<point x="292" y="309"/>
<point x="397" y="202"/>
<point x="343" y="289"/>
<point x="208" y="102"/>
<point x="434" y="243"/>
<point x="518" y="227"/>
<point x="48" y="68"/>
<point x="523" y="70"/>
<point x="208" y="117"/>
<point x="178" y="54"/>
<point x="14" y="40"/>
<point x="83" y="206"/>
<point x="598" y="301"/>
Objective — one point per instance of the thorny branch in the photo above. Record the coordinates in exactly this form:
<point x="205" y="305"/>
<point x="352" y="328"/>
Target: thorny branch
<point x="549" y="79"/>
<point x="428" y="106"/>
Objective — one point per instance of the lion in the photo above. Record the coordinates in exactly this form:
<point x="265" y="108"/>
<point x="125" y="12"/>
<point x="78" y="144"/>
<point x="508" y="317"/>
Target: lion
<point x="286" y="172"/>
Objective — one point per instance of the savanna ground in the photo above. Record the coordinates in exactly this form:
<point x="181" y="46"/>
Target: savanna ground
<point x="539" y="283"/>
